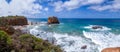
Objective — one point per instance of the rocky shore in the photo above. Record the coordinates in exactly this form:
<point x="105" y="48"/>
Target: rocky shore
<point x="13" y="39"/>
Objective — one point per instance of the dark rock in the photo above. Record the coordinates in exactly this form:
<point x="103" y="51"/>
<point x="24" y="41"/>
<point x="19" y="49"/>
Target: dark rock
<point x="10" y="30"/>
<point x="38" y="34"/>
<point x="97" y="27"/>
<point x="84" y="47"/>
<point x="53" y="20"/>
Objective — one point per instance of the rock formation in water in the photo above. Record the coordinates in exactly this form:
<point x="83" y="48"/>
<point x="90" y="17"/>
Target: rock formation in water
<point x="97" y="27"/>
<point x="53" y="20"/>
<point x="84" y="47"/>
<point x="117" y="49"/>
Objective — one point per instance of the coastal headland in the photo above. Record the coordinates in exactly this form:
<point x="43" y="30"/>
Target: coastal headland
<point x="13" y="39"/>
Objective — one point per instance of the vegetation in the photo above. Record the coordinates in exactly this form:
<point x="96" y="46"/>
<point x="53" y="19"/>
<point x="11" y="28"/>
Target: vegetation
<point x="31" y="43"/>
<point x="25" y="43"/>
<point x="14" y="40"/>
<point x="5" y="42"/>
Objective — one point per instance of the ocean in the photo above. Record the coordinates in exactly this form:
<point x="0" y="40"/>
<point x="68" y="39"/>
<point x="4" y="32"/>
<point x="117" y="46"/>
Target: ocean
<point x="74" y="33"/>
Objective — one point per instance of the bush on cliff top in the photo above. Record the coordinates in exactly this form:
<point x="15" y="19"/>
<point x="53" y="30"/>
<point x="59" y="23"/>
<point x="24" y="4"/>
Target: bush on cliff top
<point x="25" y="43"/>
<point x="5" y="42"/>
<point x="36" y="44"/>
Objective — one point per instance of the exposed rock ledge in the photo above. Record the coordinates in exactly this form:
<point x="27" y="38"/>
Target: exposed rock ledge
<point x="116" y="49"/>
<point x="7" y="23"/>
<point x="13" y="20"/>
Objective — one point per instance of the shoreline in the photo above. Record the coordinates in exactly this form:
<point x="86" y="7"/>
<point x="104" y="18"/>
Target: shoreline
<point x="36" y="23"/>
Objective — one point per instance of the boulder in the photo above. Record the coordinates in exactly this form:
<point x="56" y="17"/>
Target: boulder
<point x="84" y="47"/>
<point x="96" y="27"/>
<point x="116" y="49"/>
<point x="53" y="20"/>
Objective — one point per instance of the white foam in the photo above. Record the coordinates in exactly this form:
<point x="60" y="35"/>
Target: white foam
<point x="103" y="39"/>
<point x="74" y="43"/>
<point x="67" y="42"/>
<point x="99" y="29"/>
<point x="43" y="22"/>
<point x="42" y="34"/>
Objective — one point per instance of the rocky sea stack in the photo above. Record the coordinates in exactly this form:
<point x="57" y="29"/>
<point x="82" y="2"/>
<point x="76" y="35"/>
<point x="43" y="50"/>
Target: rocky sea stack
<point x="53" y="20"/>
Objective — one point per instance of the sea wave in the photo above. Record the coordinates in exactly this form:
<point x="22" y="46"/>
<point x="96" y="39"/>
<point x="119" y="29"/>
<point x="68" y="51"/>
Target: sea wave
<point x="103" y="39"/>
<point x="67" y="42"/>
<point x="104" y="28"/>
<point x="95" y="40"/>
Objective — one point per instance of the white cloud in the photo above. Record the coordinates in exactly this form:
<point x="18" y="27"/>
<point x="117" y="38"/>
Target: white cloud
<point x="100" y="8"/>
<point x="115" y="6"/>
<point x="58" y="6"/>
<point x="73" y="4"/>
<point x="93" y="4"/>
<point x="19" y="7"/>
<point x="46" y="9"/>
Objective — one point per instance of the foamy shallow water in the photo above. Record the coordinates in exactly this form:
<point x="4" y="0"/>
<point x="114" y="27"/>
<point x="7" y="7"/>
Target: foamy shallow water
<point x="95" y="41"/>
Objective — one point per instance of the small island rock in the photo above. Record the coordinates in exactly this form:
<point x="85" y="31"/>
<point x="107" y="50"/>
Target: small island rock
<point x="97" y="27"/>
<point x="53" y="20"/>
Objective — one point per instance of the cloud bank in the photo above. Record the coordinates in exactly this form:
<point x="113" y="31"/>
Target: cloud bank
<point x="37" y="7"/>
<point x="98" y="5"/>
<point x="20" y="7"/>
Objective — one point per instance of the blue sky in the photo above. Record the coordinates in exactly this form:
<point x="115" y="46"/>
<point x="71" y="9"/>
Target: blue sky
<point x="61" y="8"/>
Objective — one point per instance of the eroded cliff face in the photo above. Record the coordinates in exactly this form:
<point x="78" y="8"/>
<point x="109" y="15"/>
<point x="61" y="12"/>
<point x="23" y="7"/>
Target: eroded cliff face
<point x="9" y="29"/>
<point x="7" y="23"/>
<point x="13" y="20"/>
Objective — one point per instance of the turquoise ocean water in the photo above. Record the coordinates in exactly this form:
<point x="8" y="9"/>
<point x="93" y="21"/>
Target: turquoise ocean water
<point x="73" y="33"/>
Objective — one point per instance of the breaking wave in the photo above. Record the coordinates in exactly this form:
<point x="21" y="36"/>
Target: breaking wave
<point x="95" y="40"/>
<point x="103" y="39"/>
<point x="103" y="28"/>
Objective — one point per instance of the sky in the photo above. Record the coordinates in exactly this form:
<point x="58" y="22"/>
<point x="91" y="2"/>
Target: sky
<point x="61" y="8"/>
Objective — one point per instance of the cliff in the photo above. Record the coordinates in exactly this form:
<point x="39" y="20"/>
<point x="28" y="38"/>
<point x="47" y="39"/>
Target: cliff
<point x="13" y="20"/>
<point x="6" y="23"/>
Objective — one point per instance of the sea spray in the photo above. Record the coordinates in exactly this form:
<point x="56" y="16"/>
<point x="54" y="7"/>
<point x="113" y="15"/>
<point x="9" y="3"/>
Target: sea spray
<point x="103" y="39"/>
<point x="75" y="33"/>
<point x="67" y="42"/>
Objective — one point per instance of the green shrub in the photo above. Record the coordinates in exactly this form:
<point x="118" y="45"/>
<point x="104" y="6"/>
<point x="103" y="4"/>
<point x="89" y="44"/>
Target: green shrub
<point x="5" y="42"/>
<point x="37" y="44"/>
<point x="25" y="43"/>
